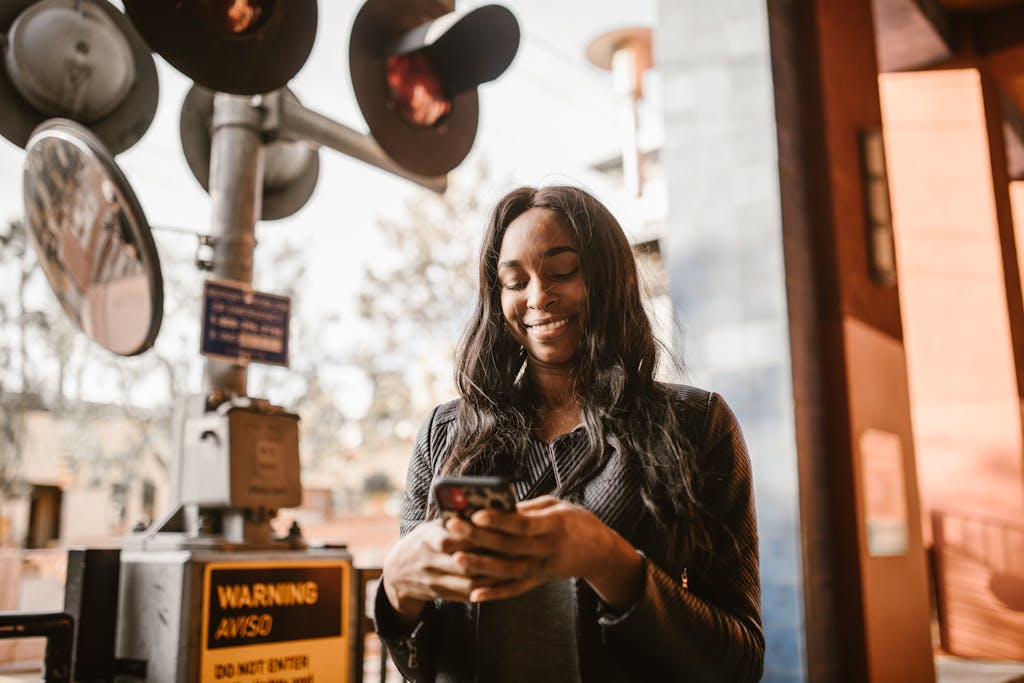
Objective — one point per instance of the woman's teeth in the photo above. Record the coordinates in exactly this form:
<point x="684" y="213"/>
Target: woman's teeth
<point x="546" y="327"/>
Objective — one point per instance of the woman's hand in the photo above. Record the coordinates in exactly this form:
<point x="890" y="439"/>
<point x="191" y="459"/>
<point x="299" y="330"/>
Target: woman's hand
<point x="420" y="567"/>
<point x="546" y="539"/>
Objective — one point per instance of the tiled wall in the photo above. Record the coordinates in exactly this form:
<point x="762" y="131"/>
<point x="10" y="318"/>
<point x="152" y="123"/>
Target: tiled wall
<point x="723" y="249"/>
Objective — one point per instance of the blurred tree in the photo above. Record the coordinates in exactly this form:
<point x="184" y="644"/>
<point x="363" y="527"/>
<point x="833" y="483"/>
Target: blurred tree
<point x="302" y="386"/>
<point x="21" y="327"/>
<point x="48" y="366"/>
<point x="415" y="304"/>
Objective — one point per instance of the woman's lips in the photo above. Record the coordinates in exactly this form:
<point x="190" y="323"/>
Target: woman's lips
<point x="546" y="330"/>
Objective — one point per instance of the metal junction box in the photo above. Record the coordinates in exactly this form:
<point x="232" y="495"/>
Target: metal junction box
<point x="242" y="458"/>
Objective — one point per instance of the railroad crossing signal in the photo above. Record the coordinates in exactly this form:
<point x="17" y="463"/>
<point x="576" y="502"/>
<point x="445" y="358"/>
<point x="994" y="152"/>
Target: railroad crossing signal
<point x="415" y="70"/>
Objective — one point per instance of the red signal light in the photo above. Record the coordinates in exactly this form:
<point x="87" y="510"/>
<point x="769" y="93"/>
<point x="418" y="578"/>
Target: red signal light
<point x="415" y="71"/>
<point x="417" y="90"/>
<point x="229" y="17"/>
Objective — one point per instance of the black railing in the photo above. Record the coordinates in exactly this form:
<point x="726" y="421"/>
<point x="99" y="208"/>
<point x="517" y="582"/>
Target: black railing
<point x="57" y="628"/>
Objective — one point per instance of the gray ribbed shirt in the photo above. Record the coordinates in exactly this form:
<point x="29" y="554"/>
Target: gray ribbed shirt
<point x="532" y="637"/>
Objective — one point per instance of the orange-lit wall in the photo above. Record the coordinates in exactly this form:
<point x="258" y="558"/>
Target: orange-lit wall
<point x="1017" y="206"/>
<point x="966" y="414"/>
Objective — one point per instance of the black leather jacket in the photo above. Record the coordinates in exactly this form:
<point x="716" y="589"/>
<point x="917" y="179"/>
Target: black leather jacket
<point x="706" y="627"/>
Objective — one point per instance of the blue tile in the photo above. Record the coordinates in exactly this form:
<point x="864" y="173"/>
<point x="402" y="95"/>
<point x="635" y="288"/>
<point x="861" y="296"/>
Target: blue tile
<point x="781" y="606"/>
<point x="780" y="555"/>
<point x="775" y="676"/>
<point x="783" y="653"/>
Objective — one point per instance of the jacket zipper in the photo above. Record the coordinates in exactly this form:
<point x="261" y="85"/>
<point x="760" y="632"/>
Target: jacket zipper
<point x="413" y="656"/>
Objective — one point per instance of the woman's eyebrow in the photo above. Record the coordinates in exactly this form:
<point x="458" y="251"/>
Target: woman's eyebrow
<point x="553" y="251"/>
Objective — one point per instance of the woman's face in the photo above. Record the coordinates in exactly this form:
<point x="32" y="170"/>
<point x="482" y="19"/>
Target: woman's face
<point x="542" y="287"/>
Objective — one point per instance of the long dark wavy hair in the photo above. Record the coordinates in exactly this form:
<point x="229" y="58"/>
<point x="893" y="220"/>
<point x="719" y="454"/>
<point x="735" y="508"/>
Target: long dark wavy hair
<point x="612" y="375"/>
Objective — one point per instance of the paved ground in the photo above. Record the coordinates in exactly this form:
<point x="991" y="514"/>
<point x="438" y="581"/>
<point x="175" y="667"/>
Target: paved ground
<point x="948" y="670"/>
<point x="955" y="670"/>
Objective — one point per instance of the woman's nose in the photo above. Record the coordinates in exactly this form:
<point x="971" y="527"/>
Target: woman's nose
<point x="541" y="296"/>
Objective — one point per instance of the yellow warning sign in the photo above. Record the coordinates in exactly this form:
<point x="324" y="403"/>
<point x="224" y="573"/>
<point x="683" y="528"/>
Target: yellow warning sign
<point x="275" y="622"/>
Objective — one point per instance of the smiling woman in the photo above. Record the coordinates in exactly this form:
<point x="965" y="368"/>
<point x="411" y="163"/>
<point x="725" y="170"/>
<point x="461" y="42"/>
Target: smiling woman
<point x="632" y="553"/>
<point x="542" y="288"/>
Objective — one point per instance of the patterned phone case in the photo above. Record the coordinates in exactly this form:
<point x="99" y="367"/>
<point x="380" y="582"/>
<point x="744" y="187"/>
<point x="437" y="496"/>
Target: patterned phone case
<point x="462" y="496"/>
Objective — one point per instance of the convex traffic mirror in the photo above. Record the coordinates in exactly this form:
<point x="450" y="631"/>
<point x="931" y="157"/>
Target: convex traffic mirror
<point x="91" y="237"/>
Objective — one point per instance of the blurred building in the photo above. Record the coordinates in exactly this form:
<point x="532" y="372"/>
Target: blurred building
<point x="87" y="473"/>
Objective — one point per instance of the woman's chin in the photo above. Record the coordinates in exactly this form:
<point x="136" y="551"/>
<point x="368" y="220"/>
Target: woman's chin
<point x="552" y="361"/>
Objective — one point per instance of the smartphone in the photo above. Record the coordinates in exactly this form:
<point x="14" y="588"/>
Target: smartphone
<point x="462" y="496"/>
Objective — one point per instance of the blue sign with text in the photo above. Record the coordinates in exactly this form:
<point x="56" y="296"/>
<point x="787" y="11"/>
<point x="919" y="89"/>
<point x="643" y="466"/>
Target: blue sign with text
<point x="244" y="326"/>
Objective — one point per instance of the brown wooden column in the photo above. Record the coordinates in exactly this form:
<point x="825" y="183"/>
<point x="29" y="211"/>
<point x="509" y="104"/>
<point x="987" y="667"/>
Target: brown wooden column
<point x="992" y="98"/>
<point x="867" y="614"/>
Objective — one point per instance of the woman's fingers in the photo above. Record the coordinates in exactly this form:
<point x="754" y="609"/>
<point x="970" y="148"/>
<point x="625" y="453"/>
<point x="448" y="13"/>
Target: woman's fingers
<point x="449" y="544"/>
<point x="446" y="586"/>
<point x="546" y="539"/>
<point x="539" y="528"/>
<point x="498" y="541"/>
<point x="537" y="503"/>
<point x="532" y="517"/>
<point x="496" y="567"/>
<point x="509" y="523"/>
<point x="501" y="554"/>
